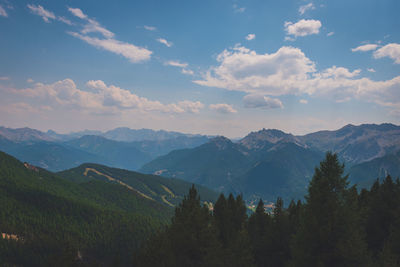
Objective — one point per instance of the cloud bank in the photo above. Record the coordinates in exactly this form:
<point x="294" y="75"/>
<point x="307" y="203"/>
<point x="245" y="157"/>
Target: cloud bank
<point x="288" y="71"/>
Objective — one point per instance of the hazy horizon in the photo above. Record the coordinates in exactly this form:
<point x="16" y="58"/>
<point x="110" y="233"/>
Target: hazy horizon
<point x="193" y="133"/>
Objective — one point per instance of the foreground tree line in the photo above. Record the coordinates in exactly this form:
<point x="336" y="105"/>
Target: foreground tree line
<point x="335" y="226"/>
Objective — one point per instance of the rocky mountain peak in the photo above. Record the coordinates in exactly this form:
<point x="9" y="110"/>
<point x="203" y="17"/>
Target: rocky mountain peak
<point x="267" y="137"/>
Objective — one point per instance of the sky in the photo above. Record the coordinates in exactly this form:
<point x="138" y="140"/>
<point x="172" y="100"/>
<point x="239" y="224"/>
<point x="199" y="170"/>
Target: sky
<point x="218" y="67"/>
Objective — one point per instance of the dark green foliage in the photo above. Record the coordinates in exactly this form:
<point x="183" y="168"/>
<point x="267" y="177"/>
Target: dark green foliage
<point x="329" y="233"/>
<point x="94" y="222"/>
<point x="335" y="226"/>
<point x="196" y="237"/>
<point x="159" y="188"/>
<point x="381" y="212"/>
<point x="55" y="219"/>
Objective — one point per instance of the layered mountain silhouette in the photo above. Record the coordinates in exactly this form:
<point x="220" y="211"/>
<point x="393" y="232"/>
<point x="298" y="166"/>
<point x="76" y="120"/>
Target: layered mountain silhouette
<point x="271" y="163"/>
<point x="57" y="152"/>
<point x="267" y="163"/>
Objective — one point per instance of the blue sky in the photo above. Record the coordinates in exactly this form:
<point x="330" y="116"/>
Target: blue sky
<point x="211" y="67"/>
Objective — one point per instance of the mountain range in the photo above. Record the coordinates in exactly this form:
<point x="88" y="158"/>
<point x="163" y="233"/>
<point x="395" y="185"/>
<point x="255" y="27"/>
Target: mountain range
<point x="267" y="163"/>
<point x="271" y="163"/>
<point x="57" y="152"/>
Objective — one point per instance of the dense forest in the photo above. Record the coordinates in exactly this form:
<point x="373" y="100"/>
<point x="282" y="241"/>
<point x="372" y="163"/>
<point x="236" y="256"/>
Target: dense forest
<point x="46" y="220"/>
<point x="336" y="225"/>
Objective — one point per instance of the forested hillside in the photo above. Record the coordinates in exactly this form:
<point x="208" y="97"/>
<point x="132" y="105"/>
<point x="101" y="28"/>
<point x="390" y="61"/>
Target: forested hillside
<point x="47" y="220"/>
<point x="335" y="226"/>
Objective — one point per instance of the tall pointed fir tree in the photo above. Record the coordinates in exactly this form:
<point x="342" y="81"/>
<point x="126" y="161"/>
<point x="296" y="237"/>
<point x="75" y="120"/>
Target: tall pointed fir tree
<point x="329" y="233"/>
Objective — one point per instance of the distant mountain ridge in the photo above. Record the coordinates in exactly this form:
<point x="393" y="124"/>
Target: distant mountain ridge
<point x="123" y="134"/>
<point x="356" y="144"/>
<point x="269" y="163"/>
<point x="56" y="152"/>
<point x="265" y="163"/>
<point x="24" y="134"/>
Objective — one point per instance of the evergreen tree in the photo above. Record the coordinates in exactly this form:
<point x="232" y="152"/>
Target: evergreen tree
<point x="258" y="225"/>
<point x="230" y="219"/>
<point x="329" y="233"/>
<point x="193" y="238"/>
<point x="381" y="212"/>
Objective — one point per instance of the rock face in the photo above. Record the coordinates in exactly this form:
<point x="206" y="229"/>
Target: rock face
<point x="266" y="138"/>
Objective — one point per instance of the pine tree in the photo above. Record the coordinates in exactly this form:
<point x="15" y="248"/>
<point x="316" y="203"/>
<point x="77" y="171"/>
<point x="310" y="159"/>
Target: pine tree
<point x="258" y="227"/>
<point x="230" y="220"/>
<point x="329" y="233"/>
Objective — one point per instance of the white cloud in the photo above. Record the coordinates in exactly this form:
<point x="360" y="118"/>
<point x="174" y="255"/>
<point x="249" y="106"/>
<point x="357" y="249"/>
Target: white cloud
<point x="371" y="70"/>
<point x="288" y="38"/>
<point x="30" y="80"/>
<point x="77" y="13"/>
<point x="330" y="33"/>
<point x="133" y="53"/>
<point x="250" y="36"/>
<point x="390" y="50"/>
<point x="261" y="101"/>
<point x="3" y="12"/>
<point x="238" y="9"/>
<point x="174" y="63"/>
<point x="304" y="8"/>
<point x="101" y="99"/>
<point x="289" y="71"/>
<point x="40" y="11"/>
<point x="365" y="48"/>
<point x="130" y="51"/>
<point x="181" y="65"/>
<point x="4" y="78"/>
<point x="93" y="26"/>
<point x="190" y="106"/>
<point x="46" y="14"/>
<point x="187" y="72"/>
<point x="303" y="101"/>
<point x="303" y="27"/>
<point x="149" y="28"/>
<point x="65" y="20"/>
<point x="242" y="69"/>
<point x="164" y="42"/>
<point x="222" y="108"/>
<point x="339" y="72"/>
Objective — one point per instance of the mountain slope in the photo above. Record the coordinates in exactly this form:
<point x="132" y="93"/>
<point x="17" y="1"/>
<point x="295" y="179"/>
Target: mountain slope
<point x="212" y="164"/>
<point x="167" y="191"/>
<point x="256" y="166"/>
<point x="24" y="134"/>
<point x="366" y="173"/>
<point x="53" y="219"/>
<point x="113" y="153"/>
<point x="129" y="135"/>
<point x="48" y="155"/>
<point x="356" y="144"/>
<point x="283" y="171"/>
